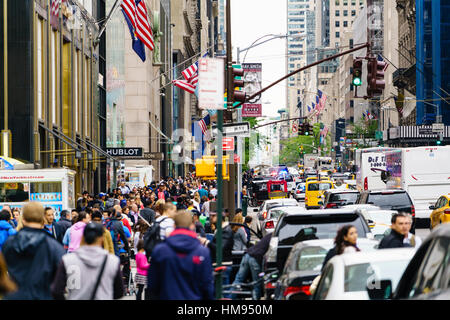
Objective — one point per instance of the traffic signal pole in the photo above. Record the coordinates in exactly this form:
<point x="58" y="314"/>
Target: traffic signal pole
<point x="366" y="45"/>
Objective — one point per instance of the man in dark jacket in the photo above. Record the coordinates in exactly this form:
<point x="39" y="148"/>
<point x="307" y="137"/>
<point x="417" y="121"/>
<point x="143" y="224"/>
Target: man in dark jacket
<point x="252" y="261"/>
<point x="180" y="267"/>
<point x="32" y="256"/>
<point x="401" y="225"/>
<point x="63" y="224"/>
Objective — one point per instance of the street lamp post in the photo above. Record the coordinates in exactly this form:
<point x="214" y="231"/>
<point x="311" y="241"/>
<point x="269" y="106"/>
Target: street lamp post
<point x="239" y="111"/>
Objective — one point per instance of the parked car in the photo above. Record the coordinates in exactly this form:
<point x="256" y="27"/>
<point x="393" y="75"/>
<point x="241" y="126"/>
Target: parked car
<point x="305" y="263"/>
<point x="441" y="211"/>
<point x="296" y="225"/>
<point x="299" y="193"/>
<point x="427" y="275"/>
<point x="313" y="193"/>
<point x="394" y="199"/>
<point x="347" y="276"/>
<point x="336" y="198"/>
<point x="379" y="220"/>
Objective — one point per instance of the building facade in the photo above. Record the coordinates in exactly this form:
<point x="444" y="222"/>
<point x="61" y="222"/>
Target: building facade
<point x="56" y="89"/>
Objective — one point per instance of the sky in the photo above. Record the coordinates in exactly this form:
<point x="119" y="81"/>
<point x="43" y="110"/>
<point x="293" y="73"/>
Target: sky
<point x="250" y="20"/>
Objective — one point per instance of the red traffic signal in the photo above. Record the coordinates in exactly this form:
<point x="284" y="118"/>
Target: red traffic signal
<point x="375" y="77"/>
<point x="238" y="96"/>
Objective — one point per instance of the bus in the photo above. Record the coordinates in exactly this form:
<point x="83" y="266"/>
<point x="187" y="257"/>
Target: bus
<point x="53" y="188"/>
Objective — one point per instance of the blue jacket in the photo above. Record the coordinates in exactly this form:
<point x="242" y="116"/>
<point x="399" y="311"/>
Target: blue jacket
<point x="181" y="269"/>
<point x="6" y="230"/>
<point x="32" y="257"/>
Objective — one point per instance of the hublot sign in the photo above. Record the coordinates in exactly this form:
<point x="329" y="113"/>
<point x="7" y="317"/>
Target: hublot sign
<point x="125" y="152"/>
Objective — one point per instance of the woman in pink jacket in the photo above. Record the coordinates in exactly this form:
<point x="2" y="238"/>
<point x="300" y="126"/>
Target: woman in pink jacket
<point x="142" y="266"/>
<point x="76" y="231"/>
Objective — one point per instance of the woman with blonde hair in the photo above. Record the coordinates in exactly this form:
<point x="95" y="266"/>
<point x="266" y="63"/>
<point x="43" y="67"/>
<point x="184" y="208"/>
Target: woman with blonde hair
<point x="197" y="201"/>
<point x="239" y="234"/>
<point x="159" y="207"/>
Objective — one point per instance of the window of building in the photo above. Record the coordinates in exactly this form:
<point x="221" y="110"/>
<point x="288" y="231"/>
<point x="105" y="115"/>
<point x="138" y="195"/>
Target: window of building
<point x="337" y="24"/>
<point x="337" y="2"/>
<point x="53" y="75"/>
<point x="353" y="13"/>
<point x="40" y="64"/>
<point x="345" y="23"/>
<point x="345" y="13"/>
<point x="337" y="13"/>
<point x="337" y="34"/>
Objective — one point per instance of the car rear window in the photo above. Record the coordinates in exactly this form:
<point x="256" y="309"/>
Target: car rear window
<point x="359" y="276"/>
<point x="319" y="186"/>
<point x="344" y="198"/>
<point x="282" y="204"/>
<point x="311" y="259"/>
<point x="390" y="200"/>
<point x="296" y="228"/>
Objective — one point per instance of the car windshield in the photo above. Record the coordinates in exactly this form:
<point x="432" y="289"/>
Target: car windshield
<point x="389" y="200"/>
<point x="319" y="186"/>
<point x="359" y="276"/>
<point x="275" y="214"/>
<point x="344" y="198"/>
<point x="296" y="229"/>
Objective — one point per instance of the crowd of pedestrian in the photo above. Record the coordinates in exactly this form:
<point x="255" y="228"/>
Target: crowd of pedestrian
<point x="167" y="230"/>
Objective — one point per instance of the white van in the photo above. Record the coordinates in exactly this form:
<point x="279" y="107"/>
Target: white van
<point x="366" y="160"/>
<point x="54" y="188"/>
<point x="424" y="172"/>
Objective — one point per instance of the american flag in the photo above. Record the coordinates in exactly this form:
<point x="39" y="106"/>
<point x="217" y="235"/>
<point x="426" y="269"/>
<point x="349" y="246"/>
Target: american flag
<point x="322" y="98"/>
<point x="56" y="4"/>
<point x="191" y="78"/>
<point x="136" y="11"/>
<point x="186" y="86"/>
<point x="204" y="123"/>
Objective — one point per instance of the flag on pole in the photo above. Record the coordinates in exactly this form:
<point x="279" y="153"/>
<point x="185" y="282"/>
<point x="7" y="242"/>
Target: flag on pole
<point x="137" y="44"/>
<point x="186" y="86"/>
<point x="204" y="123"/>
<point x="191" y="78"/>
<point x="136" y="11"/>
<point x="309" y="108"/>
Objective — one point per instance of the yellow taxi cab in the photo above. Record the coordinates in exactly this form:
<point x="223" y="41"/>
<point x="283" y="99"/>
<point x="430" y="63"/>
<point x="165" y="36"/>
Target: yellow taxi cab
<point x="441" y="211"/>
<point x="311" y="179"/>
<point x="314" y="191"/>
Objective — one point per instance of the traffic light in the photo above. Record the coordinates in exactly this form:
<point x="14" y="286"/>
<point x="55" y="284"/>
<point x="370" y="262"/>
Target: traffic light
<point x="308" y="129"/>
<point x="301" y="129"/>
<point x="375" y="77"/>
<point x="238" y="82"/>
<point x="357" y="72"/>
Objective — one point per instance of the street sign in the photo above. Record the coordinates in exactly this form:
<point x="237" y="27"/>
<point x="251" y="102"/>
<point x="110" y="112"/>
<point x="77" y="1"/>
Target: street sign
<point x="426" y="131"/>
<point x="228" y="144"/>
<point x="125" y="152"/>
<point x="252" y="110"/>
<point x="211" y="83"/>
<point x="241" y="129"/>
<point x="438" y="127"/>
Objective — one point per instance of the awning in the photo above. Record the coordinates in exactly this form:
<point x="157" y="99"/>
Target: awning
<point x="8" y="163"/>
<point x="66" y="141"/>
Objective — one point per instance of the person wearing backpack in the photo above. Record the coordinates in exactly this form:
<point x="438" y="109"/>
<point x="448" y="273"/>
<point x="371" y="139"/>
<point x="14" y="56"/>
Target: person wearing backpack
<point x="98" y="276"/>
<point x="161" y="228"/>
<point x="115" y="227"/>
<point x="180" y="267"/>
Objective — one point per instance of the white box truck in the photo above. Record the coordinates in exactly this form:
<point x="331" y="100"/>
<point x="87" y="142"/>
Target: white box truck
<point x="370" y="163"/>
<point x="138" y="176"/>
<point x="424" y="172"/>
<point x="309" y="160"/>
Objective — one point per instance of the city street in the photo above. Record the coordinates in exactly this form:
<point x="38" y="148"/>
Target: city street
<point x="141" y="135"/>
